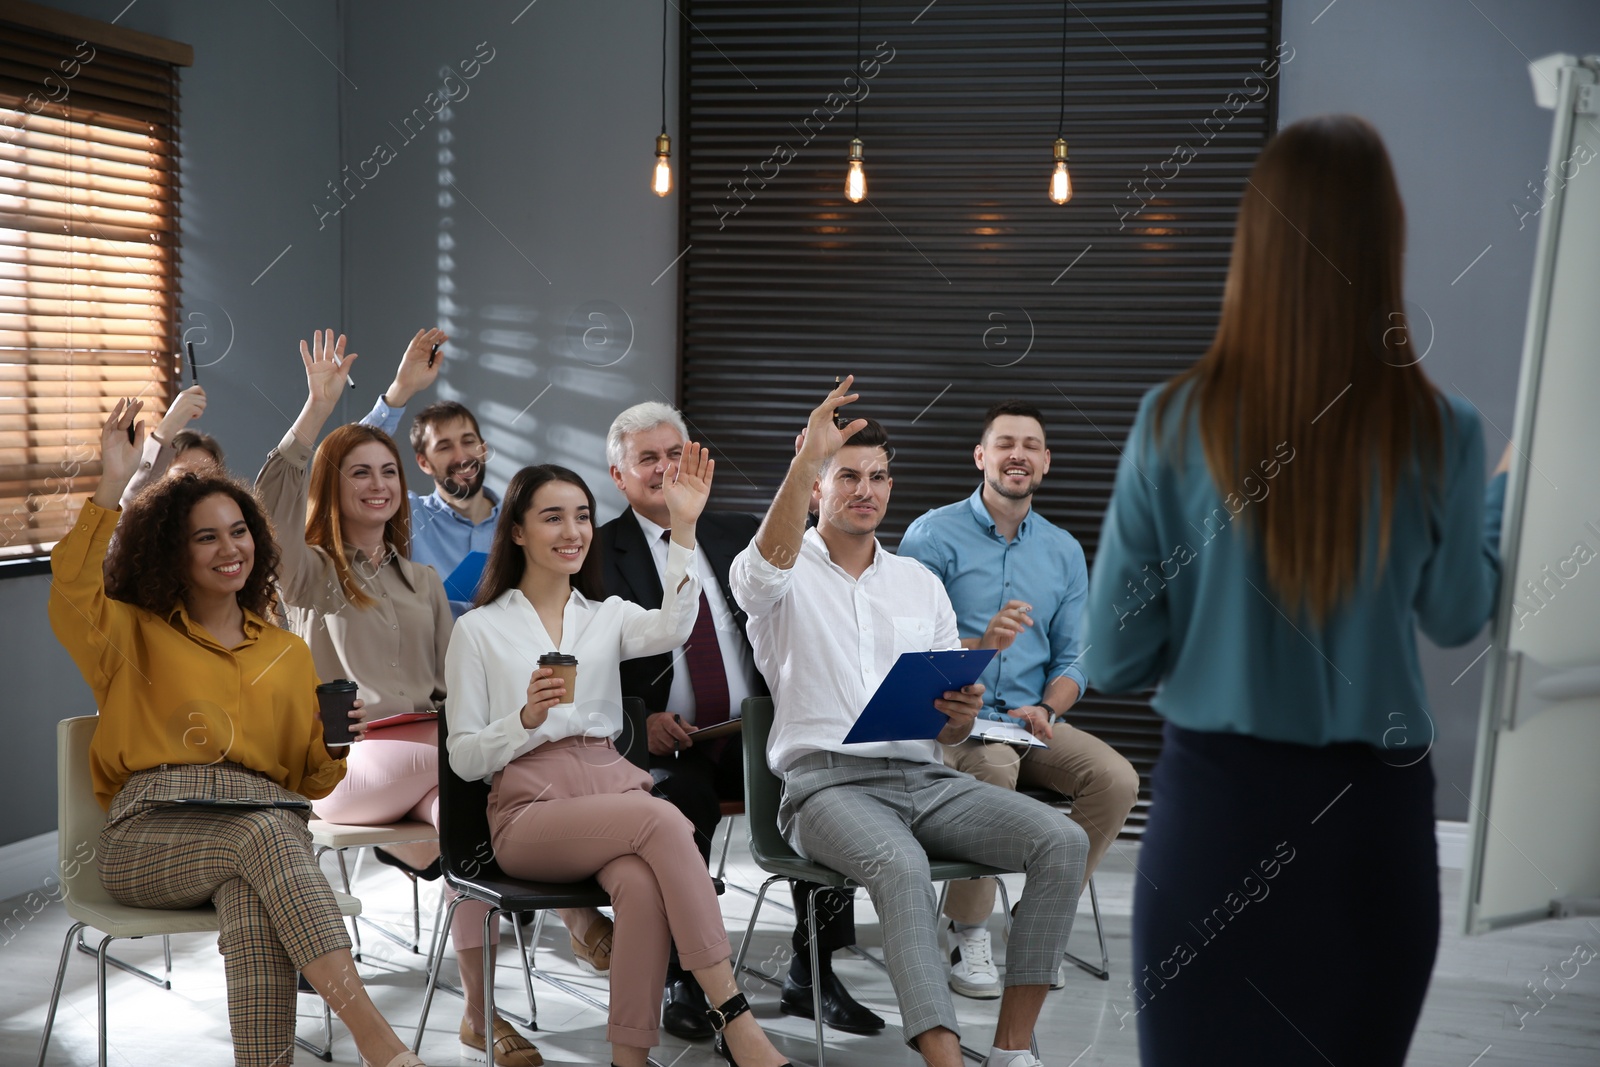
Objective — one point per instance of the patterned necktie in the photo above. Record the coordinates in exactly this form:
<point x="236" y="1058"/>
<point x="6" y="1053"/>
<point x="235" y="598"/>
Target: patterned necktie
<point x="703" y="658"/>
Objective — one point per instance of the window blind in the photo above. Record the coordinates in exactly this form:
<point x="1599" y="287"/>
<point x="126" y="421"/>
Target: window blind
<point x="957" y="282"/>
<point x="89" y="264"/>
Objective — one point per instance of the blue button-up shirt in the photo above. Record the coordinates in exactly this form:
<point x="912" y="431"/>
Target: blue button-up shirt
<point x="441" y="537"/>
<point x="1043" y="565"/>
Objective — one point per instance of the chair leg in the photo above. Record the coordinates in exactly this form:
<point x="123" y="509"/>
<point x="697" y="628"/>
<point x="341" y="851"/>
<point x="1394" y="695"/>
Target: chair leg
<point x="744" y="946"/>
<point x="355" y="923"/>
<point x="1005" y="904"/>
<point x="727" y="838"/>
<point x="324" y="1051"/>
<point x="491" y="924"/>
<point x="55" y="992"/>
<point x="416" y="918"/>
<point x="164" y="983"/>
<point x="816" y="970"/>
<point x="435" y="961"/>
<point x="527" y="975"/>
<point x="100" y="990"/>
<point x="1102" y="972"/>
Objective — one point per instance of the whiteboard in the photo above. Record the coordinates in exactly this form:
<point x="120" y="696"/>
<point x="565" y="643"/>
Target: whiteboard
<point x="1535" y="820"/>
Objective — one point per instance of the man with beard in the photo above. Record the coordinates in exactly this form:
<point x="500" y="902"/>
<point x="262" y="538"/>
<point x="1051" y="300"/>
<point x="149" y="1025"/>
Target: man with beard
<point x="458" y="517"/>
<point x="1018" y="584"/>
<point x="830" y="611"/>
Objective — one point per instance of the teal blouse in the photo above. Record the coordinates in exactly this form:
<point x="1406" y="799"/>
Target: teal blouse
<point x="1179" y="598"/>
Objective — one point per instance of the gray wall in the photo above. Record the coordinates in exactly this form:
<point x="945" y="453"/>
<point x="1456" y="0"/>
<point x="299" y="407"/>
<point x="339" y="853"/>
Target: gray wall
<point x="551" y="222"/>
<point x="260" y="130"/>
<point x="520" y="213"/>
<point x="1446" y="83"/>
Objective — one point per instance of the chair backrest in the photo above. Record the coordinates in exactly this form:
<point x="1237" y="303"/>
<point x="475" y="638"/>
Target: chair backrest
<point x="634" y="742"/>
<point x="78" y="815"/>
<point x="464" y="846"/>
<point x="762" y="789"/>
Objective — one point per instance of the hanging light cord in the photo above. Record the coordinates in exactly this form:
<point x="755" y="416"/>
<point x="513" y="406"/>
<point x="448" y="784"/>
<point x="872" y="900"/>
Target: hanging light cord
<point x="1061" y="120"/>
<point x="664" y="65"/>
<point x="858" y="68"/>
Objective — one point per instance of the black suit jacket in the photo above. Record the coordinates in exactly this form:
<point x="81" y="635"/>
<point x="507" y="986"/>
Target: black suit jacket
<point x="628" y="570"/>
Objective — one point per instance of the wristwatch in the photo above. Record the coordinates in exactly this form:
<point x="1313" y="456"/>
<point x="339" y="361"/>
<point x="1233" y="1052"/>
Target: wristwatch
<point x="1052" y="712"/>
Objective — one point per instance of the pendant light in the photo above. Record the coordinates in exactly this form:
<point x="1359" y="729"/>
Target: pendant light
<point x="661" y="181"/>
<point x="1060" y="180"/>
<point x="855" y="178"/>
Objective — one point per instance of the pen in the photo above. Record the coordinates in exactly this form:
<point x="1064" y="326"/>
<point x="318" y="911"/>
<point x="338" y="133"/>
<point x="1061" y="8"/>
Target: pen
<point x="676" y="748"/>
<point x="433" y="354"/>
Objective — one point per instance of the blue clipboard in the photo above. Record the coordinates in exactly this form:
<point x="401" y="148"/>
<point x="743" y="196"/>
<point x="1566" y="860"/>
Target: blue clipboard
<point x="902" y="708"/>
<point x="463" y="581"/>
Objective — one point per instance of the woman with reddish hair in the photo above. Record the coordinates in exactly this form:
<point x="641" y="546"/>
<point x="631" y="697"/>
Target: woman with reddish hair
<point x="373" y="616"/>
<point x="1288" y="513"/>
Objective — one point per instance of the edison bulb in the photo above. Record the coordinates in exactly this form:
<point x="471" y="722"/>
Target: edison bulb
<point x="855" y="179"/>
<point x="1061" y="183"/>
<point x="1060" y="180"/>
<point x="661" y="181"/>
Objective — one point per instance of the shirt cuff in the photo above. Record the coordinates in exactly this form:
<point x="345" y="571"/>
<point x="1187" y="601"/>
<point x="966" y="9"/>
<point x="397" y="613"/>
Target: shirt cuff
<point x="384" y="417"/>
<point x="678" y="562"/>
<point x="1074" y="672"/>
<point x="295" y="452"/>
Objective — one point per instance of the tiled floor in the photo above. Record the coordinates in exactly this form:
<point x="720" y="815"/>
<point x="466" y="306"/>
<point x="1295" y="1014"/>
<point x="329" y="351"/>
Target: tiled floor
<point x="1468" y="1020"/>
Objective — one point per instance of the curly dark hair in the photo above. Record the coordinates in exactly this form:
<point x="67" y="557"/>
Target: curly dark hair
<point x="147" y="566"/>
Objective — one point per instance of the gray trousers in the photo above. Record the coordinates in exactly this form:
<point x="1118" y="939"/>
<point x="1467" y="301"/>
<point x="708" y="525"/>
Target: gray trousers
<point x="878" y="820"/>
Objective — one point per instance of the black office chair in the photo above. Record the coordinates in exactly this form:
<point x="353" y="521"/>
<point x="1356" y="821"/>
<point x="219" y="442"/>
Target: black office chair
<point x="466" y="858"/>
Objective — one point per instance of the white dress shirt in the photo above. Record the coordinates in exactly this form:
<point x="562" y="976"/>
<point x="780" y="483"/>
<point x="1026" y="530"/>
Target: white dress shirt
<point x="495" y="649"/>
<point x="824" y="640"/>
<point x="737" y="662"/>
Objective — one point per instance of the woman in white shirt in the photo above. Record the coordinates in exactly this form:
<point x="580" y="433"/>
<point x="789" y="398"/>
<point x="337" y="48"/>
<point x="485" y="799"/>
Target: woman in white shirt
<point x="564" y="804"/>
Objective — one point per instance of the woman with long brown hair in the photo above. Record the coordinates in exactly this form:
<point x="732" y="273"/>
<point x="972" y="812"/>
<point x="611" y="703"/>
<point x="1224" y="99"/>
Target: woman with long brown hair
<point x="373" y="616"/>
<point x="200" y="697"/>
<point x="1287" y="513"/>
<point x="564" y="804"/>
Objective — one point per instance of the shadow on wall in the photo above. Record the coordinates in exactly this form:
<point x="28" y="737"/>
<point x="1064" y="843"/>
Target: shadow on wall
<point x="499" y="351"/>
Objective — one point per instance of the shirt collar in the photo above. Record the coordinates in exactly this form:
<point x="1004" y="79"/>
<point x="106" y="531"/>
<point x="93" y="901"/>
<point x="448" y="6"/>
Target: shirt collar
<point x="980" y="512"/>
<point x="436" y="502"/>
<point x="652" y="531"/>
<point x="360" y="567"/>
<point x="179" y="617"/>
<point x="814" y="539"/>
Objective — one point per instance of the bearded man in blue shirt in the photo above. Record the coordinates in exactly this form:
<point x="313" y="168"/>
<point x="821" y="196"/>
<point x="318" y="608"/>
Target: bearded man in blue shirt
<point x="1018" y="584"/>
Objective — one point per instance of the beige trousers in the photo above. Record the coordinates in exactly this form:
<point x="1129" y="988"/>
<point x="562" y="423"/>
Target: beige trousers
<point x="1102" y="784"/>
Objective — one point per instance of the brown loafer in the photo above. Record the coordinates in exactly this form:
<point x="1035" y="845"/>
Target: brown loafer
<point x="511" y="1049"/>
<point x="594" y="951"/>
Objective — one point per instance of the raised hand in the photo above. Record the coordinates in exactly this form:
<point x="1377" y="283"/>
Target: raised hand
<point x="185" y="408"/>
<point x="327" y="369"/>
<point x="822" y="436"/>
<point x="414" y="373"/>
<point x="686" y="486"/>
<point x="119" y="458"/>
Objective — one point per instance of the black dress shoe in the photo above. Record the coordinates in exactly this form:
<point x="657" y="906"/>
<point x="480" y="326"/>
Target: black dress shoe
<point x="683" y="1010"/>
<point x="839" y="1009"/>
<point x="427" y="874"/>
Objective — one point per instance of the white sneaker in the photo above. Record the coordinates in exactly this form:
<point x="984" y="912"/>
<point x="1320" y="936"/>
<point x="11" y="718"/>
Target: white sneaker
<point x="1016" y="1059"/>
<point x="972" y="971"/>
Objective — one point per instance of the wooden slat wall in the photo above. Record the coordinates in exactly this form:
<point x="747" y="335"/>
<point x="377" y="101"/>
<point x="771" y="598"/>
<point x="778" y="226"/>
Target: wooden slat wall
<point x="949" y="288"/>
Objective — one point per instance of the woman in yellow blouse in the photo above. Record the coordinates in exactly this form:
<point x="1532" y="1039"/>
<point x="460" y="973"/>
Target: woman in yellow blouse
<point x="201" y="697"/>
<point x="371" y="615"/>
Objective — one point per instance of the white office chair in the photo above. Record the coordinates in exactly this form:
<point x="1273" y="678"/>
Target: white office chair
<point x="336" y="837"/>
<point x="89" y="905"/>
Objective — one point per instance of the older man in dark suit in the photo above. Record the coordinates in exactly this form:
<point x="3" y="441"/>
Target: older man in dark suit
<point x="700" y="685"/>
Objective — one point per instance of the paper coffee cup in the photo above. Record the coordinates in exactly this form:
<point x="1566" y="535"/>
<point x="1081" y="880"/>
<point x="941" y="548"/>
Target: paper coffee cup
<point x="565" y="668"/>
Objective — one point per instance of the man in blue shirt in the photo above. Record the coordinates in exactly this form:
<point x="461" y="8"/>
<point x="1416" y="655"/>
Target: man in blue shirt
<point x="459" y="516"/>
<point x="1018" y="584"/>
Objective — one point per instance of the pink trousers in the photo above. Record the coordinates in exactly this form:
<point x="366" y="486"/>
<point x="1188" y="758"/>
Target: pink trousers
<point x="575" y="808"/>
<point x="394" y="775"/>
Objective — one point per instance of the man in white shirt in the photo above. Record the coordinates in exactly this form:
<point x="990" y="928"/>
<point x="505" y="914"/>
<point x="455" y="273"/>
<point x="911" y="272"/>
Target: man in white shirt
<point x="700" y="684"/>
<point x="830" y="610"/>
